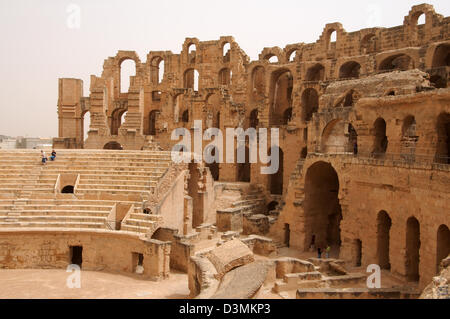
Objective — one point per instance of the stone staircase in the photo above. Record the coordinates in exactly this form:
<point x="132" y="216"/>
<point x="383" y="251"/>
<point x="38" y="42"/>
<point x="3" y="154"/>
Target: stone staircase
<point x="30" y="198"/>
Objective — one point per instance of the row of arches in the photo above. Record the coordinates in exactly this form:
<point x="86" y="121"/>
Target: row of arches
<point x="323" y="216"/>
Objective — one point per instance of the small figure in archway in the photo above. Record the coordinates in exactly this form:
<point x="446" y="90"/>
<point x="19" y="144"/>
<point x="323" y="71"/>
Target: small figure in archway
<point x="319" y="253"/>
<point x="53" y="157"/>
<point x="327" y="252"/>
<point x="44" y="157"/>
<point x="355" y="148"/>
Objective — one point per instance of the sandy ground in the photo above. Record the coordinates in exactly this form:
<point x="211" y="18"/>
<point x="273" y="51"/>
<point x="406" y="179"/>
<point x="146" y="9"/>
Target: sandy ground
<point x="51" y="284"/>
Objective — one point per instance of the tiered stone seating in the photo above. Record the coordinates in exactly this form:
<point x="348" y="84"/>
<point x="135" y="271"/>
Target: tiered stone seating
<point x="29" y="196"/>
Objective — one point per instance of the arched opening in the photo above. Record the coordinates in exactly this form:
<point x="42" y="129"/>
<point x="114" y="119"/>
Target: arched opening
<point x="192" y="52"/>
<point x="441" y="56"/>
<point x="357" y="253"/>
<point x="339" y="137"/>
<point x="258" y="83"/>
<point x="214" y="167"/>
<point x="191" y="79"/>
<point x="409" y="138"/>
<point x="292" y="55"/>
<point x="112" y="146"/>
<point x="349" y="70"/>
<point x="412" y="249"/>
<point x="331" y="39"/>
<point x="384" y="224"/>
<point x="369" y="44"/>
<point x="254" y="119"/>
<point x="244" y="169"/>
<point x="152" y="122"/>
<point x="421" y="19"/>
<point x="400" y="62"/>
<point x="117" y="118"/>
<point x="67" y="189"/>
<point x="304" y="153"/>
<point x="127" y="70"/>
<point x="86" y="124"/>
<point x="225" y="76"/>
<point x="443" y="142"/>
<point x="287" y="116"/>
<point x="185" y="116"/>
<point x="380" y="143"/>
<point x="315" y="73"/>
<point x="276" y="180"/>
<point x="157" y="70"/>
<point x="281" y="94"/>
<point x="322" y="209"/>
<point x="443" y="245"/>
<point x="310" y="103"/>
<point x="272" y="58"/>
<point x="226" y="52"/>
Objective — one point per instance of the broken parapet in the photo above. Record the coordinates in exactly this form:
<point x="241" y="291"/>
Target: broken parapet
<point x="261" y="245"/>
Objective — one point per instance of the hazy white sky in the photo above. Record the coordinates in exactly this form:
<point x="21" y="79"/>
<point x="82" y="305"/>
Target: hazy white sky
<point x="38" y="46"/>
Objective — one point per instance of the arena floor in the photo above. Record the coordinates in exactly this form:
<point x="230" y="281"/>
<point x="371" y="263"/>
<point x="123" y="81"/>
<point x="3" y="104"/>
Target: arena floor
<point x="51" y="284"/>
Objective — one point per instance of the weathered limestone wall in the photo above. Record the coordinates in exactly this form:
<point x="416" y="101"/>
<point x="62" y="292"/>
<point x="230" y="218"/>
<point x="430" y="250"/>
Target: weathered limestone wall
<point x="102" y="251"/>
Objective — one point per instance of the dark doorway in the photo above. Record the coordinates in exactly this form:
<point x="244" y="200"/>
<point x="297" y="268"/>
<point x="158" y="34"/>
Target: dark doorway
<point x="323" y="213"/>
<point x="272" y="206"/>
<point x="443" y="245"/>
<point x="244" y="169"/>
<point x="152" y="124"/>
<point x="287" y="235"/>
<point x="357" y="253"/>
<point x="276" y="180"/>
<point x="76" y="255"/>
<point x="412" y="249"/>
<point x="113" y="146"/>
<point x="67" y="190"/>
<point x="383" y="239"/>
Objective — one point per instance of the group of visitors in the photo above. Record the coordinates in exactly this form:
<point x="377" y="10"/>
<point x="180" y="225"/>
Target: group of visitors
<point x="320" y="250"/>
<point x="44" y="157"/>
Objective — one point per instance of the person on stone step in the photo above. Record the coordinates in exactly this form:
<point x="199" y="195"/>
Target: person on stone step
<point x="53" y="157"/>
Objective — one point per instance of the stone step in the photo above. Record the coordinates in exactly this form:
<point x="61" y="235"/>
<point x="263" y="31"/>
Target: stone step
<point x="114" y="187"/>
<point x="145" y="217"/>
<point x="132" y="228"/>
<point x="52" y="225"/>
<point x="60" y="219"/>
<point x="139" y="222"/>
<point x="119" y="182"/>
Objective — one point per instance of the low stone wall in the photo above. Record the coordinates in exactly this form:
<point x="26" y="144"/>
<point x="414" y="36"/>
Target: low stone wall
<point x="102" y="251"/>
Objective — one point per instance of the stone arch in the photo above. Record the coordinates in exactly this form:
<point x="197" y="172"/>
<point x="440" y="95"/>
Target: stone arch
<point x="310" y="104"/>
<point x="68" y="189"/>
<point x="244" y="169"/>
<point x="258" y="82"/>
<point x="384" y="224"/>
<point x="338" y="136"/>
<point x="380" y="143"/>
<point x="369" y="44"/>
<point x="441" y="55"/>
<point x="127" y="69"/>
<point x="291" y="55"/>
<point x="409" y="138"/>
<point x="191" y="79"/>
<point x="315" y="73"/>
<point x="400" y="62"/>
<point x="276" y="180"/>
<point x="442" y="245"/>
<point x="213" y="111"/>
<point x="412" y="258"/>
<point x="350" y="69"/>
<point x="322" y="210"/>
<point x="443" y="140"/>
<point x="116" y="120"/>
<point x="225" y="76"/>
<point x="112" y="146"/>
<point x="152" y="122"/>
<point x="86" y="124"/>
<point x="191" y="52"/>
<point x="226" y="52"/>
<point x="282" y="85"/>
<point x="157" y="69"/>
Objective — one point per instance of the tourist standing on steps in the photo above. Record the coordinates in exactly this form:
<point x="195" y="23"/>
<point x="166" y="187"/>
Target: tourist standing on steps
<point x="319" y="253"/>
<point x="327" y="252"/>
<point x="44" y="157"/>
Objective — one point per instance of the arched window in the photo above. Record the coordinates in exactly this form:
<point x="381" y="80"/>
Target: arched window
<point x="331" y="40"/>
<point x="192" y="53"/>
<point x="191" y="79"/>
<point x="272" y="58"/>
<point x="127" y="70"/>
<point x="310" y="104"/>
<point x="315" y="73"/>
<point x="292" y="56"/>
<point x="369" y="44"/>
<point x="412" y="258"/>
<point x="349" y="70"/>
<point x="86" y="120"/>
<point x="400" y="62"/>
<point x="117" y="118"/>
<point x="152" y="122"/>
<point x="409" y="139"/>
<point x="226" y="52"/>
<point x="225" y="76"/>
<point x="443" y="142"/>
<point x="258" y="82"/>
<point x="380" y="138"/>
<point x="281" y="96"/>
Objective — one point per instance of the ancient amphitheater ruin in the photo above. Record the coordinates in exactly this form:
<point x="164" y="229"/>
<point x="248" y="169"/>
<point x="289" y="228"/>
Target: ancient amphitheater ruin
<point x="364" y="145"/>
